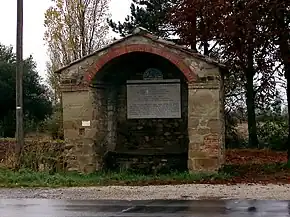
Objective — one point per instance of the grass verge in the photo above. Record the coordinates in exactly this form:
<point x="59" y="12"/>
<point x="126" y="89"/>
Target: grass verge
<point x="28" y="178"/>
<point x="275" y="173"/>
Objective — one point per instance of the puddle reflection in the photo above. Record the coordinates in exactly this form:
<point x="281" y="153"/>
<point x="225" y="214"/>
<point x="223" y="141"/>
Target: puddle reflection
<point x="166" y="208"/>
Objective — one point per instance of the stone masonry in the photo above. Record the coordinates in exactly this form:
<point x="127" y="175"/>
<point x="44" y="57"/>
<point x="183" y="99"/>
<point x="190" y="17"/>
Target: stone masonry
<point x="94" y="109"/>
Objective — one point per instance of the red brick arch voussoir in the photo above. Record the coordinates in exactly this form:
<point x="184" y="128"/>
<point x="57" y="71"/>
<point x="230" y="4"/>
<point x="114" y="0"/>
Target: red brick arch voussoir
<point x="121" y="50"/>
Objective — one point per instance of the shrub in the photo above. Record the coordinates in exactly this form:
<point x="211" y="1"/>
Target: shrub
<point x="53" y="125"/>
<point x="232" y="137"/>
<point x="37" y="155"/>
<point x="273" y="134"/>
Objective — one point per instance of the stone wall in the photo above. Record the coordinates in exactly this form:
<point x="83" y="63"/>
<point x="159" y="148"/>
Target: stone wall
<point x="84" y="144"/>
<point x="147" y="164"/>
<point x="148" y="138"/>
<point x="151" y="135"/>
<point x="205" y="126"/>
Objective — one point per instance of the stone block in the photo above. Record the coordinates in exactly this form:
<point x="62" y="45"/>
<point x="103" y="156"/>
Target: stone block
<point x="203" y="103"/>
<point x="195" y="138"/>
<point x="73" y="169"/>
<point x="193" y="122"/>
<point x="75" y="98"/>
<point x="203" y="164"/>
<point x="194" y="146"/>
<point x="192" y="154"/>
<point x="71" y="133"/>
<point x="212" y="149"/>
<point x="203" y="130"/>
<point x="77" y="112"/>
<point x="215" y="125"/>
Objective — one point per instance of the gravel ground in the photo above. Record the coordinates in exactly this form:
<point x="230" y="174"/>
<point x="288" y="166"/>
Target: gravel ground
<point x="190" y="192"/>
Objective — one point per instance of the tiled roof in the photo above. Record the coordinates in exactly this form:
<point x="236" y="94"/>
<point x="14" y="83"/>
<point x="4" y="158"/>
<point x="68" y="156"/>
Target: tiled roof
<point x="145" y="33"/>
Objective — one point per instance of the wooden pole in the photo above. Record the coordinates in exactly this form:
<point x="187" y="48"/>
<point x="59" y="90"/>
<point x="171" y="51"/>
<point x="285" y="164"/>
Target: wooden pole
<point x="19" y="80"/>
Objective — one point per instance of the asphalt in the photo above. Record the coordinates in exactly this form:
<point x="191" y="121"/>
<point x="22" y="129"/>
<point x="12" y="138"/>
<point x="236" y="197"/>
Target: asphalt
<point x="156" y="208"/>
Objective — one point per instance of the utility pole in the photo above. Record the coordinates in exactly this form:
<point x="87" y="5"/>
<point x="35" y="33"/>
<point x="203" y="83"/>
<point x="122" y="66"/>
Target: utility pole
<point x="19" y="80"/>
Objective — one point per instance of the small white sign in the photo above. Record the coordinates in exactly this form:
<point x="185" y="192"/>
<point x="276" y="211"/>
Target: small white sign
<point x="86" y="123"/>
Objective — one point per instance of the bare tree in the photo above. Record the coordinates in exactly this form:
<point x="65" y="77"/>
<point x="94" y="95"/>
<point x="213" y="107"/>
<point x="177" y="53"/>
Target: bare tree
<point x="74" y="28"/>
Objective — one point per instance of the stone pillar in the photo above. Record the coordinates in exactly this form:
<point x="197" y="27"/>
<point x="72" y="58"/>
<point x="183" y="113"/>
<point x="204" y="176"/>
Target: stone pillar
<point x="205" y="126"/>
<point x="100" y="117"/>
<point x="83" y="121"/>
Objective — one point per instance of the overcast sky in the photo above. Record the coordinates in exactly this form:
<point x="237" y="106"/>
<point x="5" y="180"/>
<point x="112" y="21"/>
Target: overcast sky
<point x="34" y="10"/>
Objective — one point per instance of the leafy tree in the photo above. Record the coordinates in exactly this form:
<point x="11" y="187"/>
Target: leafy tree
<point x="238" y="28"/>
<point x="232" y="31"/>
<point x="36" y="101"/>
<point x="193" y="24"/>
<point x="278" y="22"/>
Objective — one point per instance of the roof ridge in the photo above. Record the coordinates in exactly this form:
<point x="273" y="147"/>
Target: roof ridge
<point x="146" y="33"/>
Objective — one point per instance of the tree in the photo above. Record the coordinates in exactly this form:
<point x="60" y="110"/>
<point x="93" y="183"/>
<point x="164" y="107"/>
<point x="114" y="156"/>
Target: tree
<point x="278" y="22"/>
<point x="74" y="28"/>
<point x="237" y="28"/>
<point x="231" y="31"/>
<point x="150" y="14"/>
<point x="53" y="81"/>
<point x="37" y="105"/>
<point x="193" y="22"/>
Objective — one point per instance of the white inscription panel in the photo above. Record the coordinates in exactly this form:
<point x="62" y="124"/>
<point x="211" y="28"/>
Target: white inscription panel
<point x="153" y="100"/>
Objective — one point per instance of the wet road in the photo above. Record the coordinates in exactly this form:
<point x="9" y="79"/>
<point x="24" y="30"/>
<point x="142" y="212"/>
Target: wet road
<point x="157" y="208"/>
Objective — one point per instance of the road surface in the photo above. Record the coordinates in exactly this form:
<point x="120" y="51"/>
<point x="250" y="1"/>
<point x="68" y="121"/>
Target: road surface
<point x="145" y="208"/>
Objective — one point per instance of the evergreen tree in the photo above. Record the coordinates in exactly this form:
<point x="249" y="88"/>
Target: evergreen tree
<point x="36" y="98"/>
<point x="150" y="14"/>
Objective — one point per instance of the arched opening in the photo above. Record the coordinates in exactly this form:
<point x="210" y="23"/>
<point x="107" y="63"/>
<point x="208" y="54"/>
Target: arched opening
<point x="155" y="137"/>
<point x="114" y="53"/>
<point x="131" y="66"/>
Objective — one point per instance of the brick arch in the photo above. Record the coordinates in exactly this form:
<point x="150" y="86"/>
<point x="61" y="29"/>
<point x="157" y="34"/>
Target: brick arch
<point x="116" y="52"/>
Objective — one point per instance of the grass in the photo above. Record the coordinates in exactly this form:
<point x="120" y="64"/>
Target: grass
<point x="28" y="178"/>
<point x="229" y="174"/>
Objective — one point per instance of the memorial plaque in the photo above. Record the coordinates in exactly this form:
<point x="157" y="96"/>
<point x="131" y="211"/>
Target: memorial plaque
<point x="151" y="99"/>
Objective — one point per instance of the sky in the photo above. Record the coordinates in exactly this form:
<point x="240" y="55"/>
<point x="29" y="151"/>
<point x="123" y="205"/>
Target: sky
<point x="33" y="29"/>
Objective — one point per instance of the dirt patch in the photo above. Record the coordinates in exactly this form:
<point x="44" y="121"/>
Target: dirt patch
<point x="250" y="156"/>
